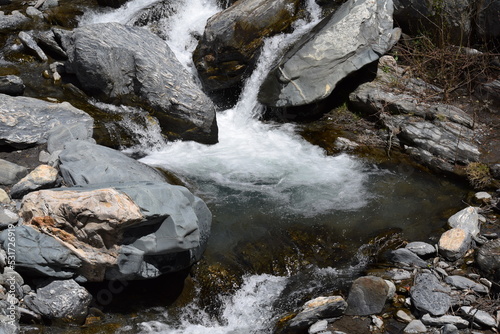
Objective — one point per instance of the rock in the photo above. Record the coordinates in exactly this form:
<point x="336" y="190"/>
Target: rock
<point x="454" y="243"/>
<point x="345" y="144"/>
<point x="82" y="163"/>
<point x="397" y="274"/>
<point x="30" y="44"/>
<point x="318" y="309"/>
<point x="4" y="197"/>
<point x="130" y="65"/>
<point x="367" y="296"/>
<point x="228" y="50"/>
<point x="40" y="254"/>
<point x="416" y="326"/>
<point x="47" y="40"/>
<point x="42" y="177"/>
<point x="420" y="248"/>
<point x="7" y="218"/>
<point x="465" y="284"/>
<point x="488" y="256"/>
<point x="10" y="173"/>
<point x="34" y="13"/>
<point x="428" y="295"/>
<point x="405" y="256"/>
<point x="12" y="21"/>
<point x="61" y="301"/>
<point x="483" y="196"/>
<point x="479" y="317"/>
<point x="63" y="134"/>
<point x="318" y="327"/>
<point x="404" y="316"/>
<point x="132" y="230"/>
<point x="11" y="85"/>
<point x="466" y="219"/>
<point x="356" y="34"/>
<point x="450" y="329"/>
<point x="7" y="327"/>
<point x="444" y="320"/>
<point x="27" y="121"/>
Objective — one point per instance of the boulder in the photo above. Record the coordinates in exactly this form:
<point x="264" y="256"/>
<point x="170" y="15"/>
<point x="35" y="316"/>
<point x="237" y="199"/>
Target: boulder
<point x="61" y="301"/>
<point x="428" y="295"/>
<point x="356" y="34"/>
<point x="11" y="85"/>
<point x="134" y="230"/>
<point x="228" y="50"/>
<point x="42" y="177"/>
<point x="367" y="296"/>
<point x="10" y="172"/>
<point x="82" y="162"/>
<point x="454" y="243"/>
<point x="130" y="65"/>
<point x="26" y="121"/>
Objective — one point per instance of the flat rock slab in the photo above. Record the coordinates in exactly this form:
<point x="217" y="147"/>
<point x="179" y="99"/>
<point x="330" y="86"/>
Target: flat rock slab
<point x="26" y="121"/>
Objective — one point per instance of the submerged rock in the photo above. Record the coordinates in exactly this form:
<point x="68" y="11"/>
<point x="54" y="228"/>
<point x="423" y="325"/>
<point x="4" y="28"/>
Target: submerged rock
<point x="357" y="33"/>
<point x="130" y="65"/>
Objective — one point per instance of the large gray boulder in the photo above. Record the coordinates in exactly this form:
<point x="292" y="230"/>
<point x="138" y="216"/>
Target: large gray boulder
<point x="131" y="65"/>
<point x="228" y="50"/>
<point x="367" y="296"/>
<point x="134" y="230"/>
<point x="26" y="121"/>
<point x="82" y="162"/>
<point x="358" y="33"/>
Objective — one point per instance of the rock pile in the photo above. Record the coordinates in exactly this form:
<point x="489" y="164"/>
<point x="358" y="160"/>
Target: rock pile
<point x="440" y="288"/>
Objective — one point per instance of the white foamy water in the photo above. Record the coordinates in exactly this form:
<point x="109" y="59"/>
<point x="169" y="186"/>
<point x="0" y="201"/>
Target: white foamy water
<point x="123" y="15"/>
<point x="269" y="160"/>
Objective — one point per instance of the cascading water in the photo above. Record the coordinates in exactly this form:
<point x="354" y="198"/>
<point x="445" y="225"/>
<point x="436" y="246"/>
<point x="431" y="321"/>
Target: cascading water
<point x="262" y="179"/>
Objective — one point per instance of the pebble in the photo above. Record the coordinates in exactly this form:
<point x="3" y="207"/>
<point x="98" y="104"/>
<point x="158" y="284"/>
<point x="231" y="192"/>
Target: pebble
<point x="403" y="316"/>
<point x="416" y="326"/>
<point x="318" y="327"/>
<point x="479" y="317"/>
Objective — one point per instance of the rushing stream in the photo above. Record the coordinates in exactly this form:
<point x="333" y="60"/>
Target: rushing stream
<point x="263" y="182"/>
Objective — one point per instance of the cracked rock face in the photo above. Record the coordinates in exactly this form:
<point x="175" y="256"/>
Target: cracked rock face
<point x="358" y="33"/>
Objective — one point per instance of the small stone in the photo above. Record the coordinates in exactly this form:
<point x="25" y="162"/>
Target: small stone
<point x="479" y="317"/>
<point x="318" y="327"/>
<point x="454" y="243"/>
<point x="450" y="329"/>
<point x="420" y="248"/>
<point x="466" y="219"/>
<point x="7" y="217"/>
<point x="403" y="316"/>
<point x="483" y="196"/>
<point x="486" y="282"/>
<point x="416" y="326"/>
<point x="465" y="284"/>
<point x="377" y="323"/>
<point x="397" y="274"/>
<point x="487" y="256"/>
<point x="44" y="176"/>
<point x="407" y="257"/>
<point x="31" y="45"/>
<point x="4" y="197"/>
<point x="427" y="319"/>
<point x="10" y="173"/>
<point x="44" y="157"/>
<point x="318" y="309"/>
<point x="34" y="13"/>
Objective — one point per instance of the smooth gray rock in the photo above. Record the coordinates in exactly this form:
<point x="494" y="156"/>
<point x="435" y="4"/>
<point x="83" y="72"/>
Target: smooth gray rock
<point x="65" y="133"/>
<point x="47" y="40"/>
<point x="11" y="85"/>
<point x="82" y="163"/>
<point x="41" y="254"/>
<point x="26" y="121"/>
<point x="7" y="217"/>
<point x="421" y="248"/>
<point x="405" y="256"/>
<point x="12" y="21"/>
<point x="457" y="321"/>
<point x="10" y="172"/>
<point x="367" y="296"/>
<point x="487" y="256"/>
<point x="65" y="301"/>
<point x="228" y="50"/>
<point x="450" y="329"/>
<point x="465" y="283"/>
<point x="130" y="65"/>
<point x="482" y="318"/>
<point x="357" y="33"/>
<point x="428" y="295"/>
<point x="30" y="44"/>
<point x="466" y="219"/>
